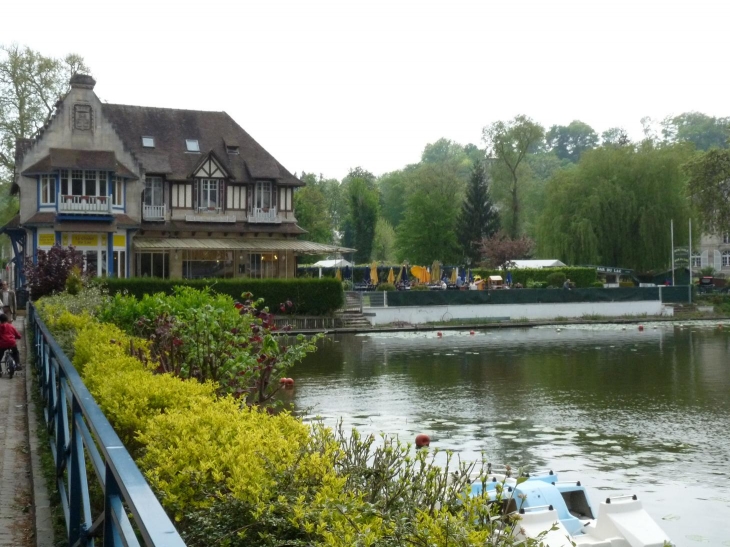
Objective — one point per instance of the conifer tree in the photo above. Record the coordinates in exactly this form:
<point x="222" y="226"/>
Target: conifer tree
<point x="479" y="217"/>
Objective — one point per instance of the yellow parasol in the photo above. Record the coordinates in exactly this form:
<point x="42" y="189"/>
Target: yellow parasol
<point x="374" y="273"/>
<point x="391" y="277"/>
<point x="454" y="275"/>
<point x="338" y="275"/>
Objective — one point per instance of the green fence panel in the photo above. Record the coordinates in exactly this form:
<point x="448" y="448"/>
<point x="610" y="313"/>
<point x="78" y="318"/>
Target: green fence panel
<point x="521" y="296"/>
<point x="676" y="294"/>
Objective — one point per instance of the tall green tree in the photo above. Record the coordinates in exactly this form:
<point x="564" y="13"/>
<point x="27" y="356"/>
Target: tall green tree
<point x="570" y="141"/>
<point x="428" y="230"/>
<point x="393" y="189"/>
<point x="614" y="207"/>
<point x="615" y="136"/>
<point x="312" y="211"/>
<point x="709" y="189"/>
<point x="479" y="217"/>
<point x="384" y="249"/>
<point x="507" y="144"/>
<point x="362" y="213"/>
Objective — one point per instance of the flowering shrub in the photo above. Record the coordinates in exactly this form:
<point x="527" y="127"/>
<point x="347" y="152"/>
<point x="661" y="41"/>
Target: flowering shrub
<point x="49" y="273"/>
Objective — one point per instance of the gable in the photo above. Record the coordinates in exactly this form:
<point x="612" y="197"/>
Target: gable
<point x="210" y="169"/>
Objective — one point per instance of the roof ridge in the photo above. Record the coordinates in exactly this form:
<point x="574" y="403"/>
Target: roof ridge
<point x="165" y="108"/>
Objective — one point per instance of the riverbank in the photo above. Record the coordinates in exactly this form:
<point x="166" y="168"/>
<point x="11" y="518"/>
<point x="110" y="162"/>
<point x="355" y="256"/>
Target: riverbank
<point x="519" y="323"/>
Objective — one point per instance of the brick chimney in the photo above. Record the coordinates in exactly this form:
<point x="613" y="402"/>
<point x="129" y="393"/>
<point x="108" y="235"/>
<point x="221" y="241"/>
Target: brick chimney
<point x="82" y="81"/>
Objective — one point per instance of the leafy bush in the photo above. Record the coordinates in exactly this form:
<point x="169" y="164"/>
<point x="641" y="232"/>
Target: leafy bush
<point x="308" y="296"/>
<point x="597" y="284"/>
<point x="532" y="284"/>
<point x="556" y="279"/>
<point x="386" y="287"/>
<point x="347" y="285"/>
<point x="49" y="273"/>
<point x="419" y="287"/>
<point x="582" y="277"/>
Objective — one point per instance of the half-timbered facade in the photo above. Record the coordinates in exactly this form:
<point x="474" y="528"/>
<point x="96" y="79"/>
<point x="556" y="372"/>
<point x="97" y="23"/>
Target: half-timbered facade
<point x="155" y="192"/>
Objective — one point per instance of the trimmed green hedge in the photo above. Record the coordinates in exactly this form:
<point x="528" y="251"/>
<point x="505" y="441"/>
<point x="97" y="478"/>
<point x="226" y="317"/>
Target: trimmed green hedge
<point x="309" y="296"/>
<point x="582" y="277"/>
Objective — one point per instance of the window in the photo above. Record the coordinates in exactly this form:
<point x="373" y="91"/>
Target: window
<point x="208" y="194"/>
<point x="120" y="264"/>
<point x="726" y="259"/>
<point x="232" y="149"/>
<point x="48" y="189"/>
<point x="192" y="145"/>
<point x="153" y="191"/>
<point x="153" y="265"/>
<point x="696" y="261"/>
<point x="262" y="198"/>
<point x="263" y="265"/>
<point x="207" y="264"/>
<point x="83" y="183"/>
<point x="118" y="192"/>
<point x="148" y="142"/>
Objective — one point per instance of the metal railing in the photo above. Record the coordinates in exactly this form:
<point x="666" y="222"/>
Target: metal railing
<point x="85" y="205"/>
<point x="269" y="215"/>
<point x="79" y="430"/>
<point x="153" y="212"/>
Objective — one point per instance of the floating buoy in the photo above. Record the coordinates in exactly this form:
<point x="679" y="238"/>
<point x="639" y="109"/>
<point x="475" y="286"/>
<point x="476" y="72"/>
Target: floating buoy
<point x="439" y="334"/>
<point x="641" y="327"/>
<point x="558" y="329"/>
<point x="422" y="440"/>
<point x="282" y="381"/>
<point x="289" y="382"/>
<point x="471" y="332"/>
<point x="623" y="328"/>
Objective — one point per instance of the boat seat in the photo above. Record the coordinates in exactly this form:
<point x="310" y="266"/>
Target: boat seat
<point x="624" y="517"/>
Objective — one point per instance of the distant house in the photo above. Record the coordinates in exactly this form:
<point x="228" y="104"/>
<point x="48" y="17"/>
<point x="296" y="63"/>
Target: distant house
<point x="714" y="252"/>
<point x="521" y="264"/>
<point x="158" y="192"/>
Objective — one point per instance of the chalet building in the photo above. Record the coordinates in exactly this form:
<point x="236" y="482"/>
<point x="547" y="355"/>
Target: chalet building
<point x="157" y="192"/>
<point x="714" y="252"/>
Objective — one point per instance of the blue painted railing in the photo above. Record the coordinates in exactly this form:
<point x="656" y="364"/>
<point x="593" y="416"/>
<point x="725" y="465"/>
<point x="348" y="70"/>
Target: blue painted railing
<point x="79" y="429"/>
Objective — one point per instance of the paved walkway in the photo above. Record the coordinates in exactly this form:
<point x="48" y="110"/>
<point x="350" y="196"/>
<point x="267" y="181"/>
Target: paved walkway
<point x="17" y="510"/>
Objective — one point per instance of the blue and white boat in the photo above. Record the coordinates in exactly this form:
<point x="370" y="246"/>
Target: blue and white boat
<point x="564" y="510"/>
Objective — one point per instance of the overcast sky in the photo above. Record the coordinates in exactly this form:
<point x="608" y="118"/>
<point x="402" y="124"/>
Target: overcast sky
<point x="329" y="85"/>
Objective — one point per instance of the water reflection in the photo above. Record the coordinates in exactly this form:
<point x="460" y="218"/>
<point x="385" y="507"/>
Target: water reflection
<point x="621" y="409"/>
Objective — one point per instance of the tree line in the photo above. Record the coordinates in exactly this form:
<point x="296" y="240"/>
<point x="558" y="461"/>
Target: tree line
<point x="564" y="192"/>
<point x="561" y="192"/>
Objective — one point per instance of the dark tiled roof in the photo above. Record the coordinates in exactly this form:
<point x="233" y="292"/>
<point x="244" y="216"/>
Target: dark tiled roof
<point x="12" y="224"/>
<point x="237" y="228"/>
<point x="65" y="158"/>
<point x="213" y="130"/>
<point x="41" y="218"/>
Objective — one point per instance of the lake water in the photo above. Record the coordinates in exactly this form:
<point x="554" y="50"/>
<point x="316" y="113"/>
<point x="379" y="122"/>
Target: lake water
<point x="621" y="410"/>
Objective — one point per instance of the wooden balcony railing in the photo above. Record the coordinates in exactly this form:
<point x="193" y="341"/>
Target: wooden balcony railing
<point x="85" y="205"/>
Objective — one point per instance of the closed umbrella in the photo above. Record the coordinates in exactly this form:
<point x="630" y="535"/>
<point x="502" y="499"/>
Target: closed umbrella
<point x="435" y="271"/>
<point x="454" y="275"/>
<point x="374" y="273"/>
<point x="391" y="277"/>
<point x="338" y="275"/>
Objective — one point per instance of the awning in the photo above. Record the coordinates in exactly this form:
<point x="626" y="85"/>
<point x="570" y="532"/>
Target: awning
<point x="62" y="158"/>
<point x="247" y="244"/>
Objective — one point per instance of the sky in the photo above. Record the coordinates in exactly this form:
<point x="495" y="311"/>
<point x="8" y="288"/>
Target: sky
<point x="330" y="85"/>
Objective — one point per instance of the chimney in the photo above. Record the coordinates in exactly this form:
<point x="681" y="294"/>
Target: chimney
<point x="82" y="81"/>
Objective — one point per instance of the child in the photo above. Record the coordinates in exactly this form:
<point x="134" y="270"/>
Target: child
<point x="8" y="336"/>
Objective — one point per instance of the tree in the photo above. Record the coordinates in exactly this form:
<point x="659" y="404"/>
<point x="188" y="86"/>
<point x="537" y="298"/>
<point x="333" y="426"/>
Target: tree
<point x="508" y="143"/>
<point x="709" y="189"/>
<point x="30" y="85"/>
<point x="384" y="242"/>
<point x="570" y="141"/>
<point x="313" y="213"/>
<point x="478" y="218"/>
<point x="499" y="250"/>
<point x="613" y="208"/>
<point x="362" y="199"/>
<point x="615" y="136"/>
<point x="703" y="131"/>
<point x="393" y="191"/>
<point x="428" y="229"/>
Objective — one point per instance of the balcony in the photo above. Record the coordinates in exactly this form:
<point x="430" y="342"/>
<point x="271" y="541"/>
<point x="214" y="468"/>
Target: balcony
<point x="264" y="216"/>
<point x="154" y="212"/>
<point x="210" y="215"/>
<point x="85" y="205"/>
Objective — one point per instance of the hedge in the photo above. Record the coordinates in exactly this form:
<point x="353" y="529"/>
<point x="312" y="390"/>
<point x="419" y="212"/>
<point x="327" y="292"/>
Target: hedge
<point x="582" y="277"/>
<point x="308" y="296"/>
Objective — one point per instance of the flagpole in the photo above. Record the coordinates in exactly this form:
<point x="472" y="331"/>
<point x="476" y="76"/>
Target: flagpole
<point x="690" y="260"/>
<point x="671" y="229"/>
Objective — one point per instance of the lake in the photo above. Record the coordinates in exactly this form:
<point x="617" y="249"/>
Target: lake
<point x="623" y="411"/>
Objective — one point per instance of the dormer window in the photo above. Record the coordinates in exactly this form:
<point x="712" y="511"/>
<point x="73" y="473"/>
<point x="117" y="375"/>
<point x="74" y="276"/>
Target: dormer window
<point x="148" y="142"/>
<point x="231" y="149"/>
<point x="192" y="145"/>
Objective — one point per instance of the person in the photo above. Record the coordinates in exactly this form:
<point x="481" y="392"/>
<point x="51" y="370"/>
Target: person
<point x="8" y="298"/>
<point x="8" y="336"/>
<point x="566" y="285"/>
<point x="459" y="282"/>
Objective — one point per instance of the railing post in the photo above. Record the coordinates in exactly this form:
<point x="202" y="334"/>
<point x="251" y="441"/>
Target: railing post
<point x="78" y="504"/>
<point x="112" y="504"/>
